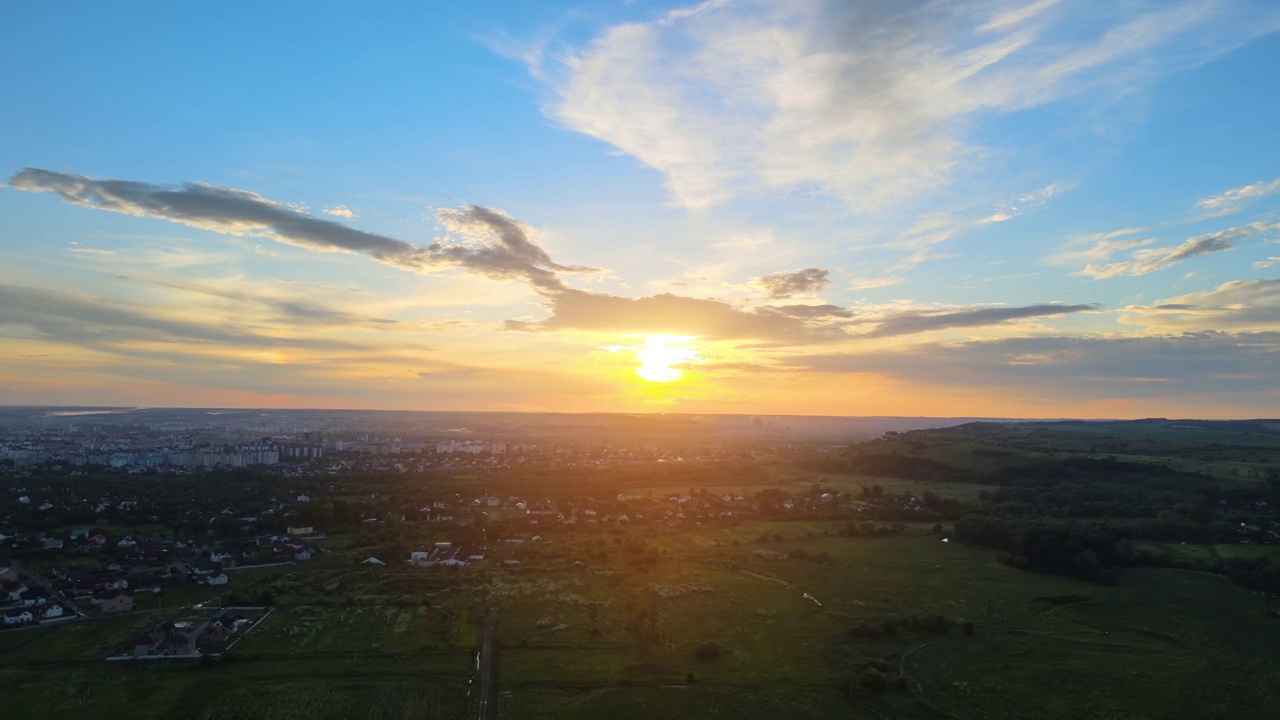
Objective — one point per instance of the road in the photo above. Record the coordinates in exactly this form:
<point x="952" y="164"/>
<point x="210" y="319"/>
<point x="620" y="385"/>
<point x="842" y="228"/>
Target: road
<point x="487" y="705"/>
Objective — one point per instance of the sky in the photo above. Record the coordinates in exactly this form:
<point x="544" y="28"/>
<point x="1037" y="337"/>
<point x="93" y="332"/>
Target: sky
<point x="1000" y="208"/>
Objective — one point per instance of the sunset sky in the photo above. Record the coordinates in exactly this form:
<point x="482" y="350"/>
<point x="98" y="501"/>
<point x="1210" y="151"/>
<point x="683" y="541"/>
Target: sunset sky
<point x="1015" y="208"/>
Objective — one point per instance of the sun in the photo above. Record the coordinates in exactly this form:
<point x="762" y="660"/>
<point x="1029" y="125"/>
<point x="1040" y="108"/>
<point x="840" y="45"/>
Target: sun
<point x="661" y="355"/>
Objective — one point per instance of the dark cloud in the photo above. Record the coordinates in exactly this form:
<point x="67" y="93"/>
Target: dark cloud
<point x="495" y="246"/>
<point x="1083" y="367"/>
<point x="785" y="284"/>
<point x="909" y="323"/>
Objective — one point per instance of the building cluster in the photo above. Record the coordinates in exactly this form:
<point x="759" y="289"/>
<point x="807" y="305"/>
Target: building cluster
<point x="471" y="447"/>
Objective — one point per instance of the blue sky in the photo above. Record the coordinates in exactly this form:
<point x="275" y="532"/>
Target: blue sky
<point x="1030" y="208"/>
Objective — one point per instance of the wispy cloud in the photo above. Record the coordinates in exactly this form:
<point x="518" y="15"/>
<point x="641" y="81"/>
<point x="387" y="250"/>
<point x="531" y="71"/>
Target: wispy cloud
<point x="864" y="102"/>
<point x="91" y="321"/>
<point x="484" y="241"/>
<point x="911" y="323"/>
<point x="1155" y="259"/>
<point x="1234" y="200"/>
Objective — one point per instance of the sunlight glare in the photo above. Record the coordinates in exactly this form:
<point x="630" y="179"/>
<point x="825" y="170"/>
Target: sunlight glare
<point x="660" y="356"/>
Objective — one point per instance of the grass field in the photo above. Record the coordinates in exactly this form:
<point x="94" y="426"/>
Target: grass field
<point x="785" y="655"/>
<point x="576" y="639"/>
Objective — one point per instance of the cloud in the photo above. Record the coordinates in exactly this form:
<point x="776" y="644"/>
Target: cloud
<point x="1234" y="200"/>
<point x="341" y="211"/>
<point x="776" y="325"/>
<point x="785" y="284"/>
<point x="485" y="242"/>
<point x="1099" y="247"/>
<point x="94" y="322"/>
<point x="1078" y="367"/>
<point x="1156" y="259"/>
<point x="866" y="102"/>
<point x="1235" y="305"/>
<point x="289" y="310"/>
<point x="1264" y="264"/>
<point x="808" y="311"/>
<point x="910" y="323"/>
<point x="873" y="283"/>
<point x="667" y="314"/>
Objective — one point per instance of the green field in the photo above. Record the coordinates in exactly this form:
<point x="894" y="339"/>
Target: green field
<point x="786" y="656"/>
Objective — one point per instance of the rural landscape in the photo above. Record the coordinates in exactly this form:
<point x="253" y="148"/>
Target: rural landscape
<point x="1028" y="569"/>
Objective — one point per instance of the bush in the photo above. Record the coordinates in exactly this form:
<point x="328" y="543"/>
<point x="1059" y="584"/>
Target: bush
<point x="707" y="651"/>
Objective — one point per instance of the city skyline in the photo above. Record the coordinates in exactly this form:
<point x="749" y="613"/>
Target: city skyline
<point x="999" y="209"/>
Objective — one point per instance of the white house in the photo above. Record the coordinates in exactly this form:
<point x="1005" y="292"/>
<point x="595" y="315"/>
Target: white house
<point x="371" y="560"/>
<point x="53" y="611"/>
<point x="304" y="498"/>
<point x="302" y="553"/>
<point x="127" y="542"/>
<point x="218" y="579"/>
<point x="18" y="617"/>
<point x="24" y="500"/>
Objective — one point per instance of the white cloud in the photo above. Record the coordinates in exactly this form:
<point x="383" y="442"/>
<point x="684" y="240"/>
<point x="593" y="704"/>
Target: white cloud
<point x="1234" y="200"/>
<point x="1264" y="264"/>
<point x="866" y="102"/>
<point x="873" y="283"/>
<point x="341" y="211"/>
<point x="1236" y="305"/>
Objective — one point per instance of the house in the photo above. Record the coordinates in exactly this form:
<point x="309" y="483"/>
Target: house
<point x="219" y="555"/>
<point x="126" y="542"/>
<point x="16" y="592"/>
<point x="301" y="530"/>
<point x="18" y="617"/>
<point x="217" y="578"/>
<point x="52" y="543"/>
<point x="420" y="557"/>
<point x="375" y="561"/>
<point x="46" y="505"/>
<point x="24" y="500"/>
<point x="111" y="602"/>
<point x="52" y="611"/>
<point x="301" y="552"/>
<point x="34" y="597"/>
<point x="304" y="498"/>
